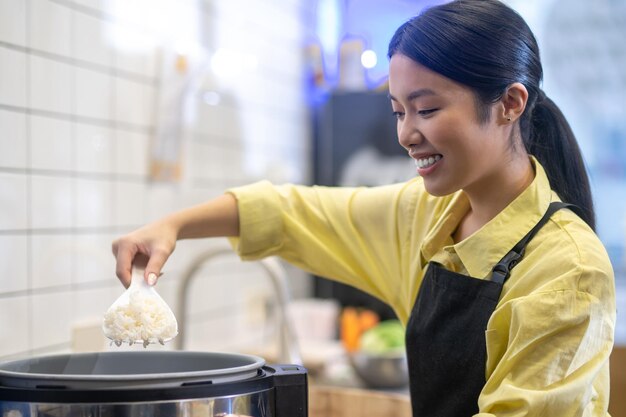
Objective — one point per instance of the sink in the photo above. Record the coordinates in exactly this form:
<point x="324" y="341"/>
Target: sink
<point x="289" y="351"/>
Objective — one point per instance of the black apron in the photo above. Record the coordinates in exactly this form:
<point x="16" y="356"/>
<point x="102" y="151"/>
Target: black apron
<point x="445" y="335"/>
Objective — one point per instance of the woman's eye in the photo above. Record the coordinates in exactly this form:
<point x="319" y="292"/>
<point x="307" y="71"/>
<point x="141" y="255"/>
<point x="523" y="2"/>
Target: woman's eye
<point x="426" y="112"/>
<point x="398" y="114"/>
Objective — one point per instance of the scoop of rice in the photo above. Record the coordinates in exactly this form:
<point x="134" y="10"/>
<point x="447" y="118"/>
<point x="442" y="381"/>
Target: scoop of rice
<point x="144" y="318"/>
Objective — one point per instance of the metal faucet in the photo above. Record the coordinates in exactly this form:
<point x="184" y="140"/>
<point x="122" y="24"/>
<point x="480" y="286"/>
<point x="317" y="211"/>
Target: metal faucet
<point x="289" y="352"/>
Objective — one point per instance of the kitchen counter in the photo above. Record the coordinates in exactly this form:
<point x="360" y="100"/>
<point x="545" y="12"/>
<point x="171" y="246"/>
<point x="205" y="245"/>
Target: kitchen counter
<point x="327" y="401"/>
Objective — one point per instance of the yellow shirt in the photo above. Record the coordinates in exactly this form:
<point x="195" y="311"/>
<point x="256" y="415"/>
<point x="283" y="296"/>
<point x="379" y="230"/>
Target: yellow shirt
<point x="549" y="339"/>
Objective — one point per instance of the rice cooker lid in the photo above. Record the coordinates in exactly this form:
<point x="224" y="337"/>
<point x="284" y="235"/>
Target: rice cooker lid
<point x="129" y="370"/>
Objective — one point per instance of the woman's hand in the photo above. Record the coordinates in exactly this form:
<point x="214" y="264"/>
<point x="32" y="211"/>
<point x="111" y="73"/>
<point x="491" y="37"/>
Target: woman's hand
<point x="152" y="245"/>
<point x="149" y="246"/>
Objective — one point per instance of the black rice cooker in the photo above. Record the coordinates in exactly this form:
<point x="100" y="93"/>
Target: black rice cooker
<point x="158" y="383"/>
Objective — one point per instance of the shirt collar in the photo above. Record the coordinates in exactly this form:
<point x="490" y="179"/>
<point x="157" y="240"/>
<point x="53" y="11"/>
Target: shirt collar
<point x="482" y="250"/>
<point x="440" y="234"/>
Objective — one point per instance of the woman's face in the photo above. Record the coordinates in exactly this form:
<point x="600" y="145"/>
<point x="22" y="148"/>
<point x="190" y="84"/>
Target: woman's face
<point x="438" y="124"/>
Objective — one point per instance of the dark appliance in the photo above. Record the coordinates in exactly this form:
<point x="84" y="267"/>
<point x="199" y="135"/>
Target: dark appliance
<point x="157" y="383"/>
<point x="344" y="124"/>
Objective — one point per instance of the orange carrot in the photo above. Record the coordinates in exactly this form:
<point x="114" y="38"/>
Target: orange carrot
<point x="350" y="330"/>
<point x="368" y="319"/>
<point x="353" y="323"/>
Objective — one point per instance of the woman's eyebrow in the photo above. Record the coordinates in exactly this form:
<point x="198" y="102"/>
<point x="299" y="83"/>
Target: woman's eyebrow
<point x="414" y="95"/>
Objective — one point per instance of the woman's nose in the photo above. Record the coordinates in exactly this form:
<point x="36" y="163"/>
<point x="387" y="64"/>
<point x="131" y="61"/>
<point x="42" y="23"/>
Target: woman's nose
<point x="408" y="135"/>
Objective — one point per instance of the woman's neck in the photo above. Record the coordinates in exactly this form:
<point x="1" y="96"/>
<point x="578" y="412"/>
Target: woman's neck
<point x="492" y="195"/>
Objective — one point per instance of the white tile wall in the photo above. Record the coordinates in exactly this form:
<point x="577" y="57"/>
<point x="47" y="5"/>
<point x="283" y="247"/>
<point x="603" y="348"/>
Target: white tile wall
<point x="93" y="259"/>
<point x="13" y="201"/>
<point x="79" y="80"/>
<point x="142" y="62"/>
<point x="51" y="202"/>
<point x="51" y="316"/>
<point x="95" y="148"/>
<point x="50" y="85"/>
<point x="12" y="140"/>
<point x="13" y="263"/>
<point x="13" y="21"/>
<point x="94" y="203"/>
<point x="12" y="77"/>
<point x="130" y="203"/>
<point x="53" y="257"/>
<point x="94" y="4"/>
<point x="50" y="27"/>
<point x="132" y="153"/>
<point x="92" y="45"/>
<point x="50" y="143"/>
<point x="92" y="303"/>
<point x="14" y="333"/>
<point x="93" y="94"/>
<point x="134" y="102"/>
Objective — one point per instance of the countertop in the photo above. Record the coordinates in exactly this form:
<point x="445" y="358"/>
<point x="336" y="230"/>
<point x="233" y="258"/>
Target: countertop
<point x="353" y="402"/>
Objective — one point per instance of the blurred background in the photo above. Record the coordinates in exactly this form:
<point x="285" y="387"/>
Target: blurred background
<point x="116" y="112"/>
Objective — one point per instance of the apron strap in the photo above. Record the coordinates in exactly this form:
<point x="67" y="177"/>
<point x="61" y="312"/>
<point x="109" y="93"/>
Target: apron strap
<point x="502" y="270"/>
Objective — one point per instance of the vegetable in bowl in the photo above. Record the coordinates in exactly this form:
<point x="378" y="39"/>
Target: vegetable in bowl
<point x="385" y="337"/>
<point x="380" y="361"/>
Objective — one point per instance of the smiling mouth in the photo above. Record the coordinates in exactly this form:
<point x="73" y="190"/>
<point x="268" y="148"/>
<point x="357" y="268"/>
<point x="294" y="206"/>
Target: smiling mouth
<point x="426" y="162"/>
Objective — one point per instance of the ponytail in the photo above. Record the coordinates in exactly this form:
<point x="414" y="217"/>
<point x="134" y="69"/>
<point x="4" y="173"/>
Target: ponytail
<point x="550" y="139"/>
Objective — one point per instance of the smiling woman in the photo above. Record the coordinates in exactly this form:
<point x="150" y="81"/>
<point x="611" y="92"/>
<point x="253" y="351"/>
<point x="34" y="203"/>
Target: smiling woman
<point x="488" y="257"/>
<point x="454" y="151"/>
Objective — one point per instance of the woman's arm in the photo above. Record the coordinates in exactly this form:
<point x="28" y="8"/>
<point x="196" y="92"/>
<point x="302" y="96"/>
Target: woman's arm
<point x="153" y="243"/>
<point x="551" y="359"/>
<point x="352" y="235"/>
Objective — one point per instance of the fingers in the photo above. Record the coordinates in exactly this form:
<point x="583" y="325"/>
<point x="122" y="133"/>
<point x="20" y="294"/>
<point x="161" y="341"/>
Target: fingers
<point x="124" y="255"/>
<point x="128" y="254"/>
<point x="153" y="269"/>
<point x="147" y="249"/>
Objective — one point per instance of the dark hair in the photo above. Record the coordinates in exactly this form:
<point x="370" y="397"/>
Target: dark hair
<point x="486" y="46"/>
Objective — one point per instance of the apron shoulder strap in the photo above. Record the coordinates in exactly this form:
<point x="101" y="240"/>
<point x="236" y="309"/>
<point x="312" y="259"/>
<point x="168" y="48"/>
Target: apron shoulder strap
<point x="502" y="270"/>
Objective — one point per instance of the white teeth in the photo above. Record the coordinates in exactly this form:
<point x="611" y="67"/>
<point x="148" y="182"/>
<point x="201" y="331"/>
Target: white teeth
<point x="426" y="162"/>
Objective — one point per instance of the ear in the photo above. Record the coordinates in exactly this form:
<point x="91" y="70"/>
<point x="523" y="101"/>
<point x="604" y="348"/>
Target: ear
<point x="513" y="102"/>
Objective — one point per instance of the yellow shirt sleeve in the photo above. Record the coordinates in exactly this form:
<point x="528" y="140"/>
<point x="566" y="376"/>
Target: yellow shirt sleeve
<point x="327" y="231"/>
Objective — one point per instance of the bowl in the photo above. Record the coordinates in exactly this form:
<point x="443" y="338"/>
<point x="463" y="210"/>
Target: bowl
<point x="384" y="370"/>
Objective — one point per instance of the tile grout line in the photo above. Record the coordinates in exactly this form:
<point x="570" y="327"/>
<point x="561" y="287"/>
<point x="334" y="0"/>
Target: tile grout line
<point x="56" y="289"/>
<point x="79" y="63"/>
<point x="29" y="188"/>
<point x="96" y="176"/>
<point x="73" y="162"/>
<point x="111" y="124"/>
<point x="68" y="230"/>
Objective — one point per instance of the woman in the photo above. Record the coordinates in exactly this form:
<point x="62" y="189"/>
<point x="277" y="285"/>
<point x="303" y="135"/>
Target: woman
<point x="507" y="294"/>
